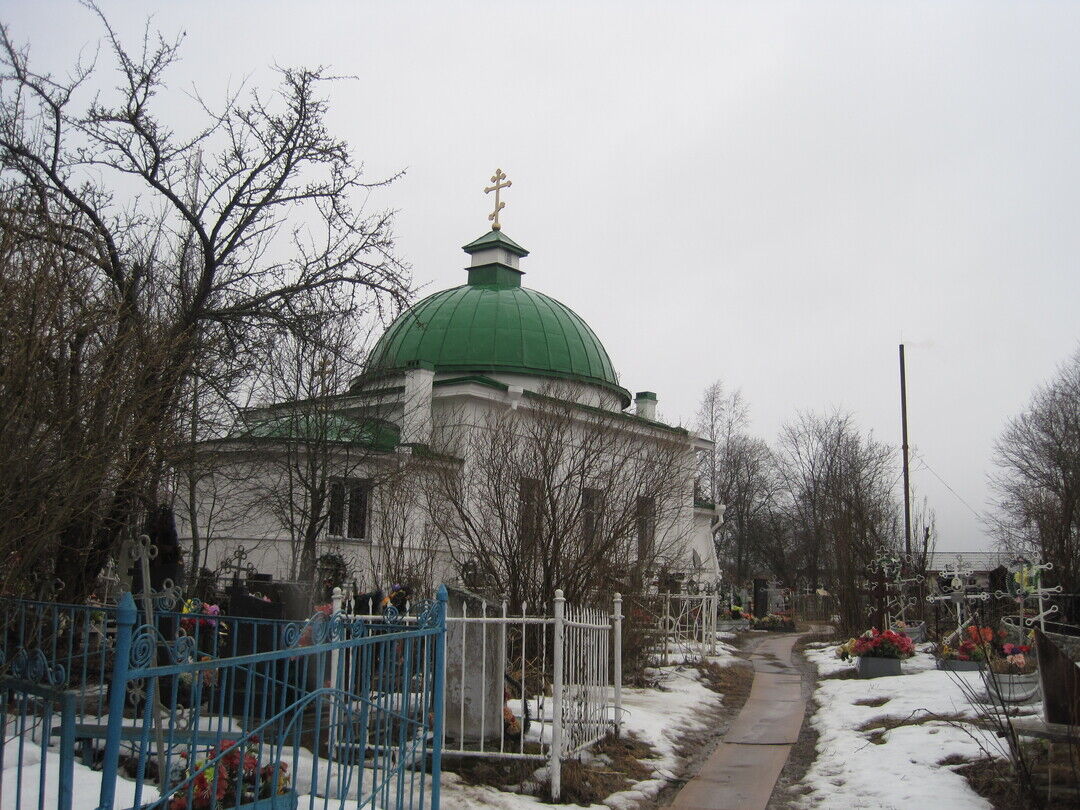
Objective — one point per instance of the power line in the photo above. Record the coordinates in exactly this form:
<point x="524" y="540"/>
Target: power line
<point x="944" y="483"/>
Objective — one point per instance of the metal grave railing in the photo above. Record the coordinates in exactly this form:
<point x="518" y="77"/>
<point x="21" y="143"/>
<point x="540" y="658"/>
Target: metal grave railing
<point x="197" y="711"/>
<point x="524" y="686"/>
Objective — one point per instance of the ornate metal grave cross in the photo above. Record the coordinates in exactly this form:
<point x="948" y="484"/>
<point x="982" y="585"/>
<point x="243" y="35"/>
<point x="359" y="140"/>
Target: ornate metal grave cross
<point x="1026" y="583"/>
<point x="236" y="564"/>
<point x="142" y="551"/>
<point x="497" y="179"/>
<point x="957" y="594"/>
<point x="878" y="591"/>
<point x="902" y="601"/>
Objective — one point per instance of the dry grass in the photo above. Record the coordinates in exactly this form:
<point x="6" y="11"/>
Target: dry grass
<point x="618" y="768"/>
<point x="615" y="765"/>
<point x="733" y="682"/>
<point x="881" y="701"/>
<point x="499" y="773"/>
<point x="881" y="725"/>
<point x="1054" y="774"/>
<point x="994" y="783"/>
<point x="843" y="675"/>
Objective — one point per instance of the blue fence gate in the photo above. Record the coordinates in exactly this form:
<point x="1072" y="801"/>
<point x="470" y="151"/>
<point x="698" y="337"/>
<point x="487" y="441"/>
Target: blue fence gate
<point x="190" y="711"/>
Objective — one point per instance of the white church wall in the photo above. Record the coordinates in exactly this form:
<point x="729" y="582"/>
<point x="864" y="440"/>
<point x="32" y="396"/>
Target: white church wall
<point x="235" y="511"/>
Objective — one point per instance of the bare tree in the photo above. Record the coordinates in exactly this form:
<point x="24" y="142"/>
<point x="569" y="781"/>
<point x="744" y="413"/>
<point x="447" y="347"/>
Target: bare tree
<point x="839" y="499"/>
<point x="179" y="241"/>
<point x="739" y="473"/>
<point x="320" y="461"/>
<point x="66" y="408"/>
<point x="552" y="495"/>
<point x="404" y="548"/>
<point x="1038" y="485"/>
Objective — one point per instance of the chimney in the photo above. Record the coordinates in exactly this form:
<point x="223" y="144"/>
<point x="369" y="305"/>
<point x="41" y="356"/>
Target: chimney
<point x="416" y="420"/>
<point x="645" y="405"/>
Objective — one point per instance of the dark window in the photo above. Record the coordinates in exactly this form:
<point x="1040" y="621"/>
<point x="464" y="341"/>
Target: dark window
<point x="358" y="507"/>
<point x="337" y="508"/>
<point x="529" y="502"/>
<point x="646" y="527"/>
<point x="591" y="511"/>
<point x="348" y="513"/>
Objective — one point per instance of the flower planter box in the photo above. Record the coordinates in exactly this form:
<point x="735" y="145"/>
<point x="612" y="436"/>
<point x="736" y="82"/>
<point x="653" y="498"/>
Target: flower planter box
<point x="1013" y="688"/>
<point x="281" y="801"/>
<point x="870" y="667"/>
<point x="956" y="665"/>
<point x="732" y="625"/>
<point x="916" y="631"/>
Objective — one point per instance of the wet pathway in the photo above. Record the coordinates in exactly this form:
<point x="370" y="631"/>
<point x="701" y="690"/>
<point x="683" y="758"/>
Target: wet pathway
<point x="741" y="772"/>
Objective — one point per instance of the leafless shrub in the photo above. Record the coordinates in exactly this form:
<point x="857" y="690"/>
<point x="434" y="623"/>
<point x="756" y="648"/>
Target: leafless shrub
<point x="154" y="247"/>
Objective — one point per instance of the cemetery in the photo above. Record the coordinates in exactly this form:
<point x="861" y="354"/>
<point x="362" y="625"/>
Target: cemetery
<point x="318" y="490"/>
<point x="152" y="699"/>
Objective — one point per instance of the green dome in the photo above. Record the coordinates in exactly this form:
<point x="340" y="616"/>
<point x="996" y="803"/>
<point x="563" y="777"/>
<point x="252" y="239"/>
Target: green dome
<point x="492" y="324"/>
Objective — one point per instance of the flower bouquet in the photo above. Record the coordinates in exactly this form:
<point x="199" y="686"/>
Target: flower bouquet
<point x="775" y="622"/>
<point x="965" y="657"/>
<point x="1013" y="677"/>
<point x="877" y="652"/>
<point x="234" y="780"/>
<point x="1014" y="660"/>
<point x="198" y="614"/>
<point x="972" y="653"/>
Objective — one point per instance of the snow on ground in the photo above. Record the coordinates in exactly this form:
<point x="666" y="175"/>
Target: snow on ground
<point x="86" y="784"/>
<point x="904" y="770"/>
<point x="658" y="716"/>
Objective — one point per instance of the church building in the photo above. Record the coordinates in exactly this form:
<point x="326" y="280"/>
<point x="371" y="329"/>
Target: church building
<point x="489" y="440"/>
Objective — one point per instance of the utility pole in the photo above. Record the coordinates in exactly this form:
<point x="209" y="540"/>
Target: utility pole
<point x="907" y="480"/>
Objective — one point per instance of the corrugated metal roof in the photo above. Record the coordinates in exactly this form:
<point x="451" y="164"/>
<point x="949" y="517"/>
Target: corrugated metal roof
<point x="969" y="560"/>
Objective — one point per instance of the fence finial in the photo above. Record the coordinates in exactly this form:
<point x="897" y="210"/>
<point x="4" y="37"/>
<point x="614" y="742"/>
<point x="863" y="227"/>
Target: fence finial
<point x="125" y="609"/>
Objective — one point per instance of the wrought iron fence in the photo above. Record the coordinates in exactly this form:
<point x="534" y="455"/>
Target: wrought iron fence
<point x="680" y="626"/>
<point x="524" y="686"/>
<point x="219" y="711"/>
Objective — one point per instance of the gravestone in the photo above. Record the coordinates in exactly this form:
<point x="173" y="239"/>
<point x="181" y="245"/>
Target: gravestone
<point x="761" y="598"/>
<point x="252" y="690"/>
<point x="475" y="669"/>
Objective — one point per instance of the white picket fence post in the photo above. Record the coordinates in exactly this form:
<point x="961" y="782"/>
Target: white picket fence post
<point x="336" y="600"/>
<point x="709" y="621"/>
<point x="555" y="761"/>
<point x="616" y="625"/>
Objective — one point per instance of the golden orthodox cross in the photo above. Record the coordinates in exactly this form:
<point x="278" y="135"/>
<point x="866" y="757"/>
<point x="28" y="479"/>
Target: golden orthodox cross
<point x="497" y="179"/>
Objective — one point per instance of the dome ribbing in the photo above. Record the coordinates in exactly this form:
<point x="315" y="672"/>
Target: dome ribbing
<point x="493" y="324"/>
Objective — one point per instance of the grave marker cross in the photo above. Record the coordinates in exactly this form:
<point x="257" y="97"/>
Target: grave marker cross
<point x="957" y="594"/>
<point x="237" y="565"/>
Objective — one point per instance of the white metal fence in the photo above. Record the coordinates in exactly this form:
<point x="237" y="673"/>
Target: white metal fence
<point x="521" y="686"/>
<point x="685" y="626"/>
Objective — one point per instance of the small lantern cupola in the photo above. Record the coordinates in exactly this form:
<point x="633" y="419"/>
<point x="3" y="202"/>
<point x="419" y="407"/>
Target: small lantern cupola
<point x="495" y="260"/>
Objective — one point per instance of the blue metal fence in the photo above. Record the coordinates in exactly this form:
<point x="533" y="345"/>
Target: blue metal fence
<point x="195" y="711"/>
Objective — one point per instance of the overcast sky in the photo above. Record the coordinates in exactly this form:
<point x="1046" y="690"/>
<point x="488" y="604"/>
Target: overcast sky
<point x="772" y="194"/>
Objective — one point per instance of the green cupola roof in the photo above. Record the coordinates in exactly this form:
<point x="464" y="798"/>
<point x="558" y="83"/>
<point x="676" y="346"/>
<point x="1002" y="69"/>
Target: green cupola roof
<point x="492" y="324"/>
<point x="495" y="239"/>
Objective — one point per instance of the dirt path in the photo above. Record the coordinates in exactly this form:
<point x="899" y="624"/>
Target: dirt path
<point x="742" y="770"/>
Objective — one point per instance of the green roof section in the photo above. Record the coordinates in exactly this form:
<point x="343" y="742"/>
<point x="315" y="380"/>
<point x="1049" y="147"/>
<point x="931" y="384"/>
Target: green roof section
<point x="495" y="239"/>
<point x="334" y="428"/>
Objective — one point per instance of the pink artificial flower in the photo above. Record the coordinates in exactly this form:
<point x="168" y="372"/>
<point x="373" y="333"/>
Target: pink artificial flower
<point x="1017" y="660"/>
